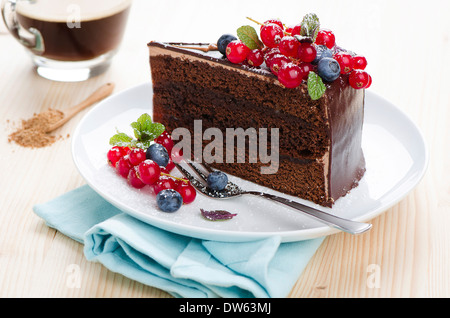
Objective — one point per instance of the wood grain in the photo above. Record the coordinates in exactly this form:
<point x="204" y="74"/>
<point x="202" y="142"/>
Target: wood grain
<point x="407" y="252"/>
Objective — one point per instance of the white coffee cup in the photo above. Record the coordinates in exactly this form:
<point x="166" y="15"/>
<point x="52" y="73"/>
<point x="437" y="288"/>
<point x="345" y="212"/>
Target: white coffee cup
<point x="68" y="40"/>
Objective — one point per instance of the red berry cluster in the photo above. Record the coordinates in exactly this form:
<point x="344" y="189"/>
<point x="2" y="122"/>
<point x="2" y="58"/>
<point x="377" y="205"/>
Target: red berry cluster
<point x="132" y="164"/>
<point x="355" y="66"/>
<point x="291" y="60"/>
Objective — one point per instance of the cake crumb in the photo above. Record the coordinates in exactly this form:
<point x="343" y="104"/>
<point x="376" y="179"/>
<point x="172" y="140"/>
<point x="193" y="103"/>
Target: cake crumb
<point x="32" y="133"/>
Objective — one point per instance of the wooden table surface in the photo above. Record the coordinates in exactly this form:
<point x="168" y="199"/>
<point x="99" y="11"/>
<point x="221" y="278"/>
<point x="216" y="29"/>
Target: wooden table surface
<point x="405" y="254"/>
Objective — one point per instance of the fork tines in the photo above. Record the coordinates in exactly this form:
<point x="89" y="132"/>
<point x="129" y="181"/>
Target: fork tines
<point x="200" y="183"/>
<point x="197" y="171"/>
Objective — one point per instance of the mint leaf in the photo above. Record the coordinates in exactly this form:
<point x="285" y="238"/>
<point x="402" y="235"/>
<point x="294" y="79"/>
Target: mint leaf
<point x="152" y="132"/>
<point x="146" y="130"/>
<point x="247" y="34"/>
<point x="121" y="140"/>
<point x="316" y="87"/>
<point x="310" y="26"/>
<point x="142" y="124"/>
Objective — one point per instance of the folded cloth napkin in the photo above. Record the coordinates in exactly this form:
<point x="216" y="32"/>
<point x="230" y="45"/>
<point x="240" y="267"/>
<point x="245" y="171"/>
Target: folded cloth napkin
<point x="180" y="265"/>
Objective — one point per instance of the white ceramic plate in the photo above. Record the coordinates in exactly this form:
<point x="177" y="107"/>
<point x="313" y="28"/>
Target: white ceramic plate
<point x="395" y="152"/>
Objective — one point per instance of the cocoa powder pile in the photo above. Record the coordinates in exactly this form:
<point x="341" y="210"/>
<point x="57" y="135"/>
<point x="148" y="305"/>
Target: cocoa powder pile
<point x="32" y="132"/>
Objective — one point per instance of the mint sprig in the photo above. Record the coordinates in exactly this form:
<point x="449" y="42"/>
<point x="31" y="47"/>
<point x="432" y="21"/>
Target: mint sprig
<point x="310" y="26"/>
<point x="316" y="87"/>
<point x="145" y="131"/>
<point x="247" y="34"/>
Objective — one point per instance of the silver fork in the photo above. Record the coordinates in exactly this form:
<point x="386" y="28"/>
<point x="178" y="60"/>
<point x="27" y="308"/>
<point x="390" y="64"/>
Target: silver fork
<point x="232" y="190"/>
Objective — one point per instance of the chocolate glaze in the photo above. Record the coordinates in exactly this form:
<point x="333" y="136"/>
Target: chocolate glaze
<point x="344" y="111"/>
<point x="346" y="114"/>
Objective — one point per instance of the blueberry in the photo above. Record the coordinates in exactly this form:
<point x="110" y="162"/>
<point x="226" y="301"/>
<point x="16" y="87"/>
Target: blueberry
<point x="223" y="41"/>
<point x="322" y="51"/>
<point x="169" y="200"/>
<point x="328" y="69"/>
<point x="217" y="180"/>
<point x="158" y="154"/>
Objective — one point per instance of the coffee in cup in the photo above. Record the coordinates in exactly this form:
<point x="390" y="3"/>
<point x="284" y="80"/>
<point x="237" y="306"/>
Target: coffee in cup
<point x="68" y="40"/>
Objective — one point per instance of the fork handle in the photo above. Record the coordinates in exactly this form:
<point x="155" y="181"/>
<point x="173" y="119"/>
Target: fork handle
<point x="345" y="225"/>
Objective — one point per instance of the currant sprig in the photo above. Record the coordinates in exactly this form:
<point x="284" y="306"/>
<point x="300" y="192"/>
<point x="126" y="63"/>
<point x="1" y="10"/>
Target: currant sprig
<point x="292" y="53"/>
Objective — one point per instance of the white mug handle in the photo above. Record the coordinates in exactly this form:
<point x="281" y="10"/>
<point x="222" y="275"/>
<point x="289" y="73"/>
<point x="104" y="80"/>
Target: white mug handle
<point x="30" y="38"/>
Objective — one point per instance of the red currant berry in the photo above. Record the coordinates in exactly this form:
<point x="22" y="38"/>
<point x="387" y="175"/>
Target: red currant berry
<point x="271" y="34"/>
<point x="296" y="30"/>
<point x="187" y="192"/>
<point x="358" y="79"/>
<point x="149" y="171"/>
<point x="369" y="81"/>
<point x="326" y="37"/>
<point x="345" y="61"/>
<point x="255" y="58"/>
<point x="290" y="75"/>
<point x="136" y="156"/>
<point x="237" y="51"/>
<point x="275" y="21"/>
<point x="181" y="181"/>
<point x="277" y="61"/>
<point x="125" y="150"/>
<point x="359" y="62"/>
<point x="289" y="46"/>
<point x="163" y="183"/>
<point x="269" y="54"/>
<point x="166" y="140"/>
<point x="134" y="180"/>
<point x="307" y="52"/>
<point x="123" y="166"/>
<point x="306" y="68"/>
<point x="114" y="154"/>
<point x="169" y="167"/>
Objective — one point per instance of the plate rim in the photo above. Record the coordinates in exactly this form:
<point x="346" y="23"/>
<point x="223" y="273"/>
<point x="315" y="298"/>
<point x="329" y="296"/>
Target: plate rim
<point x="231" y="236"/>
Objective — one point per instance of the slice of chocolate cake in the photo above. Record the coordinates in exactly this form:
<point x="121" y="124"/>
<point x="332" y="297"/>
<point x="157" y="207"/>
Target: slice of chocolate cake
<point x="319" y="141"/>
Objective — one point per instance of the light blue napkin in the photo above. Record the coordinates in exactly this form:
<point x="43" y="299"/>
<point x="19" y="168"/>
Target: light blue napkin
<point x="179" y="265"/>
